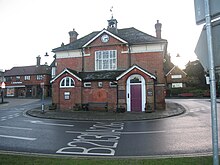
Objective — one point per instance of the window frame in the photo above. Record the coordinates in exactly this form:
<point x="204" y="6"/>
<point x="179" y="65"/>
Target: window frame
<point x="67" y="83"/>
<point x="27" y="78"/>
<point x="18" y="78"/>
<point x="39" y="77"/>
<point x="176" y="76"/>
<point x="113" y="84"/>
<point x="87" y="84"/>
<point x="105" y="60"/>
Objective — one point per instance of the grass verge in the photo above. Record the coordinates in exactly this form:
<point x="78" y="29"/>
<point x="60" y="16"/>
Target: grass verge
<point x="6" y="159"/>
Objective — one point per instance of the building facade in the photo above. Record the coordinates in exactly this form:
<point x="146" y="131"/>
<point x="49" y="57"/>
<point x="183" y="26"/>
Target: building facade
<point x="1" y="76"/>
<point x="119" y="67"/>
<point x="176" y="78"/>
<point x="28" y="81"/>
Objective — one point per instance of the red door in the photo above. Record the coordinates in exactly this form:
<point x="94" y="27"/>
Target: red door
<point x="136" y="98"/>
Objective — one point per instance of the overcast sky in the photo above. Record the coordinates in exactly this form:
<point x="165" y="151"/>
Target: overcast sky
<point x="29" y="28"/>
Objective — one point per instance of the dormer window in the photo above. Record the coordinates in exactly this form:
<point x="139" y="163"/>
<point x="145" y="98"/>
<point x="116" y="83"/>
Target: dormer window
<point x="106" y="60"/>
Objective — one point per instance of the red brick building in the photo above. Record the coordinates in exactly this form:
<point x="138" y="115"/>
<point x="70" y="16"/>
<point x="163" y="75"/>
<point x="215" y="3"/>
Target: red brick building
<point x="176" y="78"/>
<point x="118" y="67"/>
<point x="28" y="81"/>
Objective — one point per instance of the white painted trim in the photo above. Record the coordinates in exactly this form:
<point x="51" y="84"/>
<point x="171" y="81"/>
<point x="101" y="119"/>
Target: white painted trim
<point x="116" y="58"/>
<point x="128" y="93"/>
<point x="159" y="47"/>
<point x="174" y="68"/>
<point x="143" y="93"/>
<point x="135" y="67"/>
<point x="100" y="33"/>
<point x="87" y="84"/>
<point x="18" y="86"/>
<point x="64" y="79"/>
<point x="65" y="70"/>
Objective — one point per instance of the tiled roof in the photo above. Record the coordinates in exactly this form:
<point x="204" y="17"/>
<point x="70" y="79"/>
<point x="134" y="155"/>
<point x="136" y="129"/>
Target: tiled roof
<point x="100" y="75"/>
<point x="131" y="35"/>
<point x="76" y="44"/>
<point x="28" y="70"/>
<point x="134" y="36"/>
<point x="97" y="75"/>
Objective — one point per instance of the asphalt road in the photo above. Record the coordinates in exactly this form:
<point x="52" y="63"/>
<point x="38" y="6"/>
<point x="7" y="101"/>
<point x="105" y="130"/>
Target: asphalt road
<point x="187" y="134"/>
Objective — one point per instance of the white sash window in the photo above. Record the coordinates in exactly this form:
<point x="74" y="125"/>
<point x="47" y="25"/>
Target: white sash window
<point x="106" y="60"/>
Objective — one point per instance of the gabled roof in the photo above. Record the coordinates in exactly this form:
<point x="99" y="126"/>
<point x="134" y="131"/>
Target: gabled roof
<point x="174" y="68"/>
<point x="135" y="36"/>
<point x="126" y="35"/>
<point x="139" y="68"/>
<point x="76" y="44"/>
<point x="67" y="70"/>
<point x="28" y="70"/>
<point x="100" y="33"/>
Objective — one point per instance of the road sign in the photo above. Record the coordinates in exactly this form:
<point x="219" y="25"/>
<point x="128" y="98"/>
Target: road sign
<point x="3" y="85"/>
<point x="201" y="49"/>
<point x="200" y="10"/>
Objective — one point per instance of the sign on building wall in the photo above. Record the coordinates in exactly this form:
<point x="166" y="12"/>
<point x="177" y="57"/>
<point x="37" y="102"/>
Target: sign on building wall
<point x="177" y="85"/>
<point x="10" y="92"/>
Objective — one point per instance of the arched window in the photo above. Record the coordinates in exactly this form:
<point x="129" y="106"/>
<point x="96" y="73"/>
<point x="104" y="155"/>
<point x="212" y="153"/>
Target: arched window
<point x="135" y="78"/>
<point x="67" y="82"/>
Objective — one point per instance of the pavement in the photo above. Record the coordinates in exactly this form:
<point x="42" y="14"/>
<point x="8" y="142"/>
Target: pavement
<point x="172" y="109"/>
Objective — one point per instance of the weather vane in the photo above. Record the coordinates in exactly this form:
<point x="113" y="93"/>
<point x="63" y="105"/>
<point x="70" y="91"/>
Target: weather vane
<point x="111" y="10"/>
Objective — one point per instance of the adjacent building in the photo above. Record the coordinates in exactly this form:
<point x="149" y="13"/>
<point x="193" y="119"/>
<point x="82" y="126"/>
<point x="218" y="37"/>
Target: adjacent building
<point x="1" y="76"/>
<point x="176" y="78"/>
<point x="116" y="68"/>
<point x="28" y="81"/>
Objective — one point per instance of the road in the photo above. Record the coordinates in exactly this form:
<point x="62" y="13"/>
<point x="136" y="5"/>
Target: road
<point x="189" y="133"/>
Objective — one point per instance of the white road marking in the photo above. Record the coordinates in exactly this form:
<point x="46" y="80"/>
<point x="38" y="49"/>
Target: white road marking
<point x="101" y="139"/>
<point x="19" y="128"/>
<point x="10" y="116"/>
<point x="97" y="133"/>
<point x="115" y="133"/>
<point x="53" y="124"/>
<point x="18" y="137"/>
<point x="146" y="132"/>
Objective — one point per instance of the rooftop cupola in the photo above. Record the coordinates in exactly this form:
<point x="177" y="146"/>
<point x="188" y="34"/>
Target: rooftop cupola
<point x="112" y="24"/>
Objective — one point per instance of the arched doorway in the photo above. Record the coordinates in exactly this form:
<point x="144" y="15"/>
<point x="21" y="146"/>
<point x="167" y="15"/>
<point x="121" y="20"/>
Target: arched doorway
<point x="136" y="93"/>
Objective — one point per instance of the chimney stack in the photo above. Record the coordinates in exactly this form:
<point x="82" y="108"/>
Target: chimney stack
<point x="38" y="60"/>
<point x="158" y="29"/>
<point x="73" y="35"/>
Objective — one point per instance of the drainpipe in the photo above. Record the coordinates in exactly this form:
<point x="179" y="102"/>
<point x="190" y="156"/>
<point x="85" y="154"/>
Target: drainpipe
<point x="82" y="50"/>
<point x="83" y="69"/>
<point x="117" y="97"/>
<point x="129" y="56"/>
<point x="155" y="101"/>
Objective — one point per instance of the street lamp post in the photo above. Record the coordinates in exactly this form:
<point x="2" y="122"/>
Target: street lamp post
<point x="42" y="105"/>
<point x="42" y="87"/>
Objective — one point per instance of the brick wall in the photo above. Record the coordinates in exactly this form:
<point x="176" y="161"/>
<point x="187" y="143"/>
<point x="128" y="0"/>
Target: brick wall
<point x="152" y="62"/>
<point x="176" y="71"/>
<point x="58" y="93"/>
